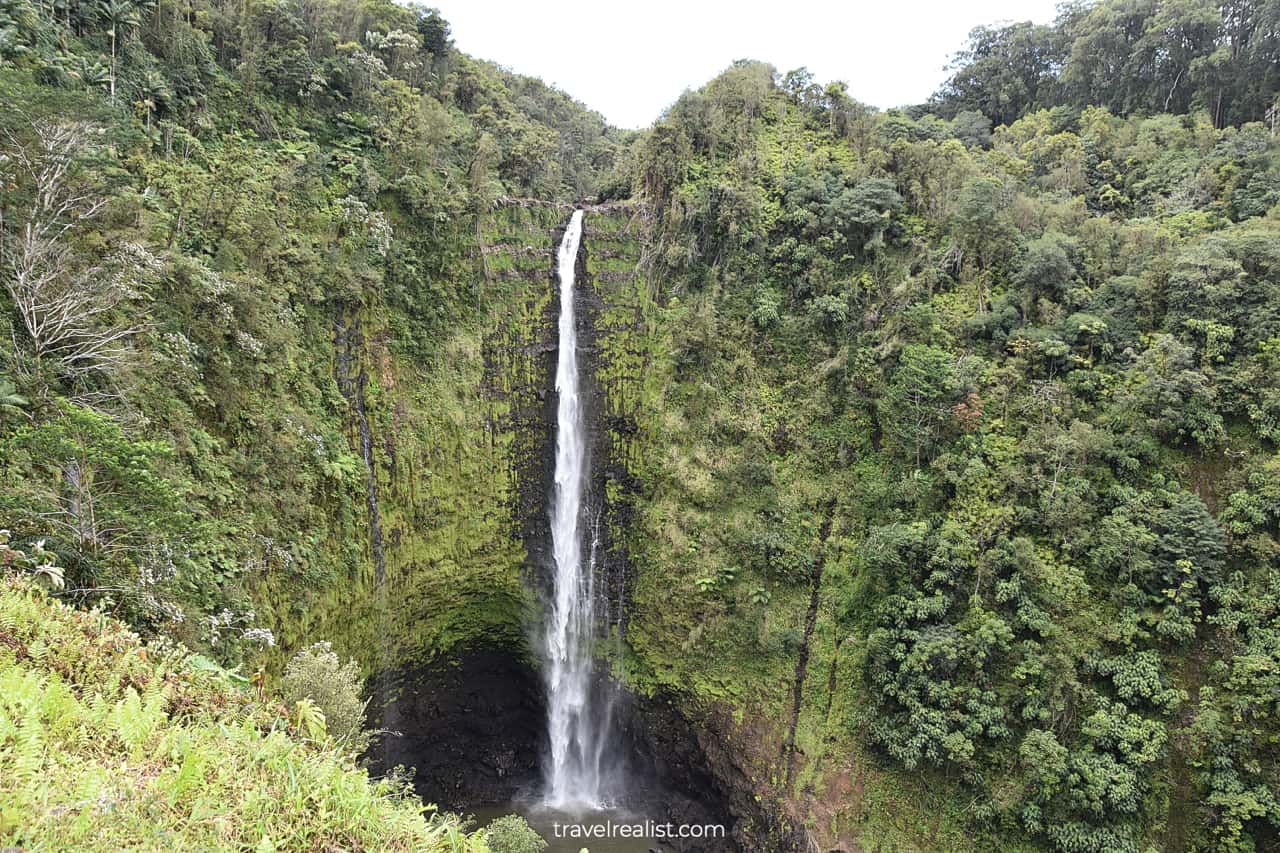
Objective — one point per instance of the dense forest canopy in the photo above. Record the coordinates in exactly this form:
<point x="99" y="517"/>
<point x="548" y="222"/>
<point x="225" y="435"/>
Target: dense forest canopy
<point x="972" y="408"/>
<point x="1025" y="378"/>
<point x="1143" y="57"/>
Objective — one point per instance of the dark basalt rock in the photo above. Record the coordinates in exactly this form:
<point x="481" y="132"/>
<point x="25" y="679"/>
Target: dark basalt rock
<point x="706" y="784"/>
<point x="672" y="766"/>
<point x="473" y="730"/>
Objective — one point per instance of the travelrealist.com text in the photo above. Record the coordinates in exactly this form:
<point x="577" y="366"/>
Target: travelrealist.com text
<point x="642" y="829"/>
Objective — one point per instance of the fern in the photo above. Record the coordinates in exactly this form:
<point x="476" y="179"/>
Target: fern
<point x="190" y="773"/>
<point x="98" y="708"/>
<point x="60" y="709"/>
<point x="310" y="719"/>
<point x="135" y="718"/>
<point x="28" y="756"/>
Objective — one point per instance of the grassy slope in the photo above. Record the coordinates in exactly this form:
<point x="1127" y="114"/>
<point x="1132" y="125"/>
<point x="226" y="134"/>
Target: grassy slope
<point x="110" y="743"/>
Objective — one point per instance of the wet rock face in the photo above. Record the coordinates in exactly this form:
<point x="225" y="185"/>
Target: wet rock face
<point x="706" y="781"/>
<point x="474" y="730"/>
<point x="672" y="766"/>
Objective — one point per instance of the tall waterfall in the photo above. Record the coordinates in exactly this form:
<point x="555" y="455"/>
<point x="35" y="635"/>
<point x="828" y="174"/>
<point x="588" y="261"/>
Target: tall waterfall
<point x="577" y="730"/>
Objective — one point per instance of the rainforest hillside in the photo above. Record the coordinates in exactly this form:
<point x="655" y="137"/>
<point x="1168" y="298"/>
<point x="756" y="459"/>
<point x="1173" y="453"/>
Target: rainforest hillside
<point x="199" y="200"/>
<point x="963" y="461"/>
<point x="944" y="442"/>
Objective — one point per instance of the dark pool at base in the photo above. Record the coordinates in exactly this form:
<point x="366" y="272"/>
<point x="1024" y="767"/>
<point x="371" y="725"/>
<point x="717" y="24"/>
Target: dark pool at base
<point x="544" y="821"/>
<point x="472" y="729"/>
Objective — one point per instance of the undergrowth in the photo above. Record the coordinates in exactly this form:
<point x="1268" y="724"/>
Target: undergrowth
<point x="110" y="743"/>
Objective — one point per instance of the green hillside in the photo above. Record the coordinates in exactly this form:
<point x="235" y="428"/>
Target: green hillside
<point x="110" y="743"/>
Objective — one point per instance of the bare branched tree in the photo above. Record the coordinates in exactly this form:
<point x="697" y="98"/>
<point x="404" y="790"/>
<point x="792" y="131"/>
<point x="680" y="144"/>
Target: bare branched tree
<point x="68" y="306"/>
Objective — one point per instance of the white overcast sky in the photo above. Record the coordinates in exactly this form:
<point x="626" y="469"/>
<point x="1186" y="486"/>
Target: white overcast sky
<point x="630" y="60"/>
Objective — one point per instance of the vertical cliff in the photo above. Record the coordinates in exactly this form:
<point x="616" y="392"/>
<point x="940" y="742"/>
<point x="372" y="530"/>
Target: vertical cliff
<point x="449" y="558"/>
<point x="456" y="449"/>
<point x="452" y="447"/>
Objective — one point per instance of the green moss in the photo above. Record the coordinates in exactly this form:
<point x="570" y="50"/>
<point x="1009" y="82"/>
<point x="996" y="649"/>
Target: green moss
<point x="451" y="438"/>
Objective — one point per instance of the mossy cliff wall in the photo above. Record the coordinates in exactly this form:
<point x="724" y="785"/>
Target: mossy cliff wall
<point x="680" y="717"/>
<point x="450" y="553"/>
<point x="701" y="743"/>
<point x="618" y="311"/>
<point x="447" y="545"/>
<point x="452" y="449"/>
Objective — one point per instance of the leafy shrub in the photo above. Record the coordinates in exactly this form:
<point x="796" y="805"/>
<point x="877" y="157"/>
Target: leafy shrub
<point x="512" y="834"/>
<point x="767" y="309"/>
<point x="316" y="674"/>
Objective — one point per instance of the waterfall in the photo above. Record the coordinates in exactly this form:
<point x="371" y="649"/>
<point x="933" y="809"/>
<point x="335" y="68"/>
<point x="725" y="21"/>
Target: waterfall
<point x="577" y="729"/>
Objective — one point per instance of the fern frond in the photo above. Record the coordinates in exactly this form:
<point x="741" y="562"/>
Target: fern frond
<point x="310" y="719"/>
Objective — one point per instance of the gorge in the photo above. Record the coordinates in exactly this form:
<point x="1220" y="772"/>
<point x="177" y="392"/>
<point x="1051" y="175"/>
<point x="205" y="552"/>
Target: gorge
<point x="532" y="718"/>
<point x="380" y="428"/>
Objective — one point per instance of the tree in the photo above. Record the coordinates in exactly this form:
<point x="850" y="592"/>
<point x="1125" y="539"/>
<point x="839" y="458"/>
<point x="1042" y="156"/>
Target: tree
<point x="435" y="34"/>
<point x="1002" y="72"/>
<point x="828" y="207"/>
<point x="69" y="306"/>
<point x="154" y="95"/>
<point x="918" y="401"/>
<point x="1178" y="401"/>
<point x="972" y="128"/>
<point x="1128" y="55"/>
<point x="93" y="488"/>
<point x="985" y="236"/>
<point x="121" y="18"/>
<point x="11" y="402"/>
<point x="1046" y="271"/>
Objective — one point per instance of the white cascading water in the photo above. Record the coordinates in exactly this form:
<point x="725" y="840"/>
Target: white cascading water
<point x="573" y="778"/>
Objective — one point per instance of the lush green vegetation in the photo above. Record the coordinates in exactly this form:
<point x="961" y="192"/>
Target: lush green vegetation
<point x="512" y="834"/>
<point x="109" y="743"/>
<point x="248" y="311"/>
<point x="951" y="434"/>
<point x="979" y="428"/>
<point x="317" y="675"/>
<point x="254" y="185"/>
<point x="1142" y="57"/>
